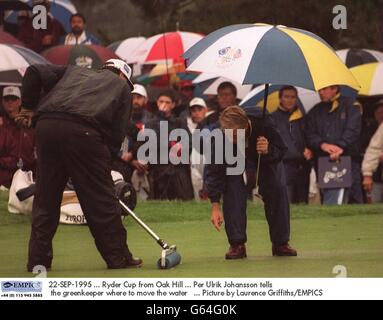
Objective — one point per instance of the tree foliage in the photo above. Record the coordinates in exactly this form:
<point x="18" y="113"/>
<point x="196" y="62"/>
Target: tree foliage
<point x="364" y="17"/>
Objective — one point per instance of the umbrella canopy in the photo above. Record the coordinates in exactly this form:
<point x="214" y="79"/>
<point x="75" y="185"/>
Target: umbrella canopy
<point x="7" y="38"/>
<point x="265" y="54"/>
<point x="61" y="10"/>
<point x="204" y="77"/>
<point x="14" y="60"/>
<point x="89" y="56"/>
<point x="370" y="77"/>
<point x="242" y="90"/>
<point x="162" y="75"/>
<point x="126" y="48"/>
<point x="164" y="47"/>
<point x="357" y="57"/>
<point x="307" y="99"/>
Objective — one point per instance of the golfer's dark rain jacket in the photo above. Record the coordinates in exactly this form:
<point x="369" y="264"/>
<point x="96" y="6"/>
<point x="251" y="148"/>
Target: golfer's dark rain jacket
<point x="271" y="173"/>
<point x="74" y="92"/>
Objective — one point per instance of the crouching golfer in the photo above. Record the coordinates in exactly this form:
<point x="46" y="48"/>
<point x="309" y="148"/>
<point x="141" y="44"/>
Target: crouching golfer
<point x="262" y="138"/>
<point x="81" y="116"/>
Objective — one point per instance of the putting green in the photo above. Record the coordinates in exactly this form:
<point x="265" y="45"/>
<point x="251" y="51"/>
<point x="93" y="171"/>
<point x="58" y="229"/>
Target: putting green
<point x="351" y="236"/>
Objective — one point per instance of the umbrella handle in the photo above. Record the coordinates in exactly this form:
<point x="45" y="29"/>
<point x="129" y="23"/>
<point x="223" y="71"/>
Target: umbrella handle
<point x="266" y="95"/>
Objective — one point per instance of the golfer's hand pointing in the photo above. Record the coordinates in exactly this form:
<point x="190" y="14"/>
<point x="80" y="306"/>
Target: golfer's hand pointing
<point x="216" y="216"/>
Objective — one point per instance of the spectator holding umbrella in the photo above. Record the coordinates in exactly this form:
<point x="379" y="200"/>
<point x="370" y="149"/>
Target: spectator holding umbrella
<point x="79" y="35"/>
<point x="290" y="122"/>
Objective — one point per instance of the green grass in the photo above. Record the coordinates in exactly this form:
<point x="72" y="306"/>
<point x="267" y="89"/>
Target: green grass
<point x="351" y="236"/>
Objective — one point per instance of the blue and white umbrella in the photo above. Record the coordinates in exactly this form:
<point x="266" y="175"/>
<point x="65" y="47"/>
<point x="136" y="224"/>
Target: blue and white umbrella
<point x="14" y="60"/>
<point x="265" y="54"/>
<point x="61" y="10"/>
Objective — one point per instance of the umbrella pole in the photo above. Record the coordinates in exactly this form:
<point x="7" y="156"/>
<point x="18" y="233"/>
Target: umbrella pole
<point x="266" y="95"/>
<point x="166" y="60"/>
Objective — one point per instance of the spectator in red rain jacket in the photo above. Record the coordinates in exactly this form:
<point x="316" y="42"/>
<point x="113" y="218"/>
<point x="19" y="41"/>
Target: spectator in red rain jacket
<point x="16" y="144"/>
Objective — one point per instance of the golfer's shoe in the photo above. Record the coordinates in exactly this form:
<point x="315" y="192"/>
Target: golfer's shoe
<point x="236" y="252"/>
<point x="284" y="251"/>
<point x="128" y="262"/>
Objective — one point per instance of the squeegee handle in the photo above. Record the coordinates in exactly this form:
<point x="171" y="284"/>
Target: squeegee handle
<point x="161" y="242"/>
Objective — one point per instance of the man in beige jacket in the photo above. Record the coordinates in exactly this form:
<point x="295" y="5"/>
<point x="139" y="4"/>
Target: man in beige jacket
<point x="372" y="158"/>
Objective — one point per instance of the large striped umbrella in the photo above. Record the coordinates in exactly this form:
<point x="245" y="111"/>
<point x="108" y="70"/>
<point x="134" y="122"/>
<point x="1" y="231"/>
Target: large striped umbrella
<point x="357" y="57"/>
<point x="61" y="10"/>
<point x="164" y="47"/>
<point x="370" y="77"/>
<point x="126" y="48"/>
<point x="14" y="60"/>
<point x="265" y="54"/>
<point x="89" y="56"/>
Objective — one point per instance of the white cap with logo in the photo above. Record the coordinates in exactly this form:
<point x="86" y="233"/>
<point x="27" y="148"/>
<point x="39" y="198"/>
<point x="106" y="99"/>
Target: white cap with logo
<point x="12" y="91"/>
<point x="140" y="90"/>
<point x="123" y="67"/>
<point x="197" y="102"/>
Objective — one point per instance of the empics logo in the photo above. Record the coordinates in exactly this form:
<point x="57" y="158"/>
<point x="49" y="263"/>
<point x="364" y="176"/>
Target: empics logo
<point x="21" y="286"/>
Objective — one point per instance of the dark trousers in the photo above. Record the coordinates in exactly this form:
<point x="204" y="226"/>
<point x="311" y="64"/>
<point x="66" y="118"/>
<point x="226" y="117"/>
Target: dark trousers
<point x="234" y="209"/>
<point x="356" y="193"/>
<point x="274" y="192"/>
<point x="298" y="181"/>
<point x="172" y="182"/>
<point x="72" y="149"/>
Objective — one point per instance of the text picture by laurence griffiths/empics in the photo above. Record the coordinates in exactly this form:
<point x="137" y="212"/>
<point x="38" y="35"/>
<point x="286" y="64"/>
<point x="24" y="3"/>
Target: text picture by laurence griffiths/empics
<point x="155" y="159"/>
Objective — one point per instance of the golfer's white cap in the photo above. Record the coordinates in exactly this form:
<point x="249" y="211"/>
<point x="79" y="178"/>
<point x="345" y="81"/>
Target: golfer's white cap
<point x="12" y="91"/>
<point x="139" y="89"/>
<point x="123" y="67"/>
<point x="198" y="102"/>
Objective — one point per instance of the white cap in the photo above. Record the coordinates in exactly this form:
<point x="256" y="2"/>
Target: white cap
<point x="12" y="91"/>
<point x="198" y="102"/>
<point x="123" y="67"/>
<point x="140" y="90"/>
